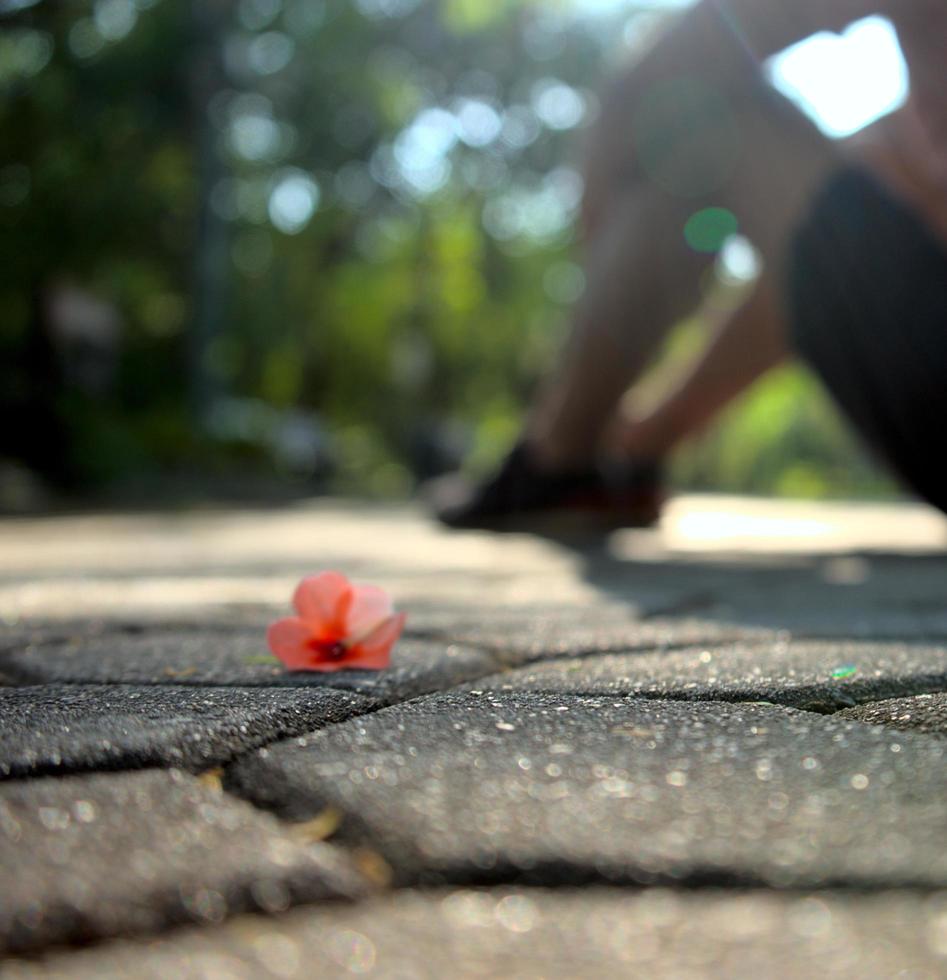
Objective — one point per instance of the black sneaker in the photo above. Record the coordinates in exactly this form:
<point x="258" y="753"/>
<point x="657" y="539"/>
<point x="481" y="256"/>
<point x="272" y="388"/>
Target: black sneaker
<point x="625" y="494"/>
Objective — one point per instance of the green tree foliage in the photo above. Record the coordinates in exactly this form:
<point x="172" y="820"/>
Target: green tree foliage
<point x="355" y="211"/>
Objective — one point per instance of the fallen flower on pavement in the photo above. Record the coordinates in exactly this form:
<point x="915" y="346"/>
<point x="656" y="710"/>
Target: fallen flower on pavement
<point x="339" y="626"/>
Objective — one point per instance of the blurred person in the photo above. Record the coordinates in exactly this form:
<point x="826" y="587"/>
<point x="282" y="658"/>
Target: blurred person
<point x="853" y="236"/>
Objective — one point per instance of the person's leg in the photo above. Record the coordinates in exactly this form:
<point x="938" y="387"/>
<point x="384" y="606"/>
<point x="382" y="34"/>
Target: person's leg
<point x="868" y="290"/>
<point x="673" y="144"/>
<point x="745" y="149"/>
<point x="643" y="278"/>
<point x="747" y="343"/>
<point x="753" y="338"/>
<point x="638" y="286"/>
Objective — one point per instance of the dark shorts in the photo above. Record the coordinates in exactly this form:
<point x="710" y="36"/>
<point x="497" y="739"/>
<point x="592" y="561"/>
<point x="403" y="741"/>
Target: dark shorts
<point x="868" y="306"/>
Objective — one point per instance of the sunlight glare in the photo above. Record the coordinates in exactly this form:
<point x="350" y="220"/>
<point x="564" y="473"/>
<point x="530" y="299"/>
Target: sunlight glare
<point x="843" y="81"/>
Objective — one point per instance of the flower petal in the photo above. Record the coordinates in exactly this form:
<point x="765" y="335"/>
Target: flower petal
<point x="370" y="605"/>
<point x="287" y="639"/>
<point x="374" y="651"/>
<point x="323" y="601"/>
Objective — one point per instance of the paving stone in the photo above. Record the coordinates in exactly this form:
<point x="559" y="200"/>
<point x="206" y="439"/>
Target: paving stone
<point x="860" y="619"/>
<point x="533" y="933"/>
<point x="465" y="787"/>
<point x="70" y="727"/>
<point x="90" y="856"/>
<point x="814" y="675"/>
<point x="852" y="596"/>
<point x="18" y="634"/>
<point x="152" y="654"/>
<point x="863" y="596"/>
<point x="521" y="636"/>
<point x="205" y="656"/>
<point x="417" y="668"/>
<point x="924" y="713"/>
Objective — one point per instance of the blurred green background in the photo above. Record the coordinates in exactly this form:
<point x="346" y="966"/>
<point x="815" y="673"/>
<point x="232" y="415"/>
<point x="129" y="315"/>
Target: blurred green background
<point x="257" y="246"/>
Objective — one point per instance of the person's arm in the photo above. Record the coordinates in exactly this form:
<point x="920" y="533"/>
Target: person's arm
<point x="745" y="345"/>
<point x="768" y="26"/>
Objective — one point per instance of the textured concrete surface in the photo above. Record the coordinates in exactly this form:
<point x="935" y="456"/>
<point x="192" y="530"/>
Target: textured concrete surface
<point x="232" y="658"/>
<point x="721" y="740"/>
<point x="88" y="856"/>
<point x="561" y="788"/>
<point x="536" y="933"/>
<point x="61" y="728"/>
<point x="923" y="713"/>
<point x="518" y="637"/>
<point x="818" y="676"/>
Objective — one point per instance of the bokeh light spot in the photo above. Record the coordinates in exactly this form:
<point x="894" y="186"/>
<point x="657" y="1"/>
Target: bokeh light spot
<point x="85" y="41"/>
<point x="293" y="201"/>
<point x="304" y="17"/>
<point x="420" y="151"/>
<point x="738" y="261"/>
<point x="254" y="15"/>
<point x="24" y="53"/>
<point x="558" y="105"/>
<point x="521" y="127"/>
<point x="270" y="52"/>
<point x="378" y="9"/>
<point x="114" y="19"/>
<point x="478" y="122"/>
<point x="844" y="82"/>
<point x="706" y="230"/>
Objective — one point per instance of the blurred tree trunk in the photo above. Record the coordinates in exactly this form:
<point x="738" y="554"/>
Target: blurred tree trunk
<point x="209" y="20"/>
<point x="41" y="440"/>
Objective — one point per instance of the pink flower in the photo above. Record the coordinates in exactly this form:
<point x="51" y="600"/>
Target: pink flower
<point x="340" y="625"/>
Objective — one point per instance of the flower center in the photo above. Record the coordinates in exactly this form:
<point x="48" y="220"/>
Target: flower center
<point x="330" y="649"/>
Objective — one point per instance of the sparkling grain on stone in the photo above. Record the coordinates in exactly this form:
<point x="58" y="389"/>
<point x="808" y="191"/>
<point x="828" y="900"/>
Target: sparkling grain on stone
<point x="84" y="857"/>
<point x="695" y="791"/>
